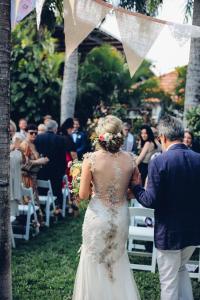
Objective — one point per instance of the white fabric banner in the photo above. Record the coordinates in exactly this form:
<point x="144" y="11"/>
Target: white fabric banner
<point x="138" y="35"/>
<point x="79" y="23"/>
<point x="20" y="9"/>
<point x="14" y="10"/>
<point x="39" y="5"/>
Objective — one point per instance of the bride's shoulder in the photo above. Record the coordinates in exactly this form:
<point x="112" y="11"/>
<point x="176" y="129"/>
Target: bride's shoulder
<point x="87" y="155"/>
<point x="130" y="156"/>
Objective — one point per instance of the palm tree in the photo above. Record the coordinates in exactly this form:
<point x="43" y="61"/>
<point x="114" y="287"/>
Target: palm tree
<point x="192" y="93"/>
<point x="69" y="88"/>
<point x="5" y="255"/>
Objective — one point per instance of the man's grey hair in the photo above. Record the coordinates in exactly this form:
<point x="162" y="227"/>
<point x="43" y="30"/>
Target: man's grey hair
<point x="171" y="128"/>
<point x="126" y="125"/>
<point x="51" y="125"/>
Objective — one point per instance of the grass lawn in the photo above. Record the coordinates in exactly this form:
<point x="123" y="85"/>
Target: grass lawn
<point x="44" y="268"/>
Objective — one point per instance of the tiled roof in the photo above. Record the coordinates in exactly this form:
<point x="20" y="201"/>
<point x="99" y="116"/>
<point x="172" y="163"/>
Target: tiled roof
<point x="168" y="81"/>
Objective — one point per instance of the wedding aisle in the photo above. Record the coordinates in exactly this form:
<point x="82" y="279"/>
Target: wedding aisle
<point x="44" y="268"/>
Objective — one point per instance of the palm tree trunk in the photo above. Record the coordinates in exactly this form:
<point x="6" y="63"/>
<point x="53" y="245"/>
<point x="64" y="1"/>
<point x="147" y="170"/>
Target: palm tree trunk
<point x="5" y="256"/>
<point x="192" y="93"/>
<point x="69" y="89"/>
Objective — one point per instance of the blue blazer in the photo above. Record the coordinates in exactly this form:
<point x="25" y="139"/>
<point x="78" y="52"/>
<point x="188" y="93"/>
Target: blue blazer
<point x="173" y="190"/>
<point x="81" y="143"/>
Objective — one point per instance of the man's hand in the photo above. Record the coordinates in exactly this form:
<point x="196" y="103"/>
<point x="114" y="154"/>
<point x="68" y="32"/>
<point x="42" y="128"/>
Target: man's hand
<point x="136" y="178"/>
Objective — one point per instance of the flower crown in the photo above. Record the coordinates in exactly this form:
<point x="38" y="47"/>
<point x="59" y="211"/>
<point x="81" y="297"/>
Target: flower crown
<point x="109" y="137"/>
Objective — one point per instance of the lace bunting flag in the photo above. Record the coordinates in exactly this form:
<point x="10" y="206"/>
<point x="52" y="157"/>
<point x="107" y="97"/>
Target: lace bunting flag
<point x="39" y="5"/>
<point x="20" y="9"/>
<point x="87" y="14"/>
<point x="138" y="34"/>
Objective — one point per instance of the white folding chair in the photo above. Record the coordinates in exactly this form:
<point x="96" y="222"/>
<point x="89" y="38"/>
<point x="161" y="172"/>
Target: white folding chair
<point x="144" y="234"/>
<point x="12" y="219"/>
<point x="29" y="210"/>
<point x="47" y="200"/>
<point x="66" y="195"/>
<point x="196" y="264"/>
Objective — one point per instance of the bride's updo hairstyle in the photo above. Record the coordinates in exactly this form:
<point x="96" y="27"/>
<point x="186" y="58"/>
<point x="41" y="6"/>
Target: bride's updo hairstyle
<point x="110" y="135"/>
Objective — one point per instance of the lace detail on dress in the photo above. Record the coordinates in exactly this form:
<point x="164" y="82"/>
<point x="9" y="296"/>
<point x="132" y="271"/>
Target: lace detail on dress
<point x="91" y="157"/>
<point x="107" y="212"/>
<point x="107" y="244"/>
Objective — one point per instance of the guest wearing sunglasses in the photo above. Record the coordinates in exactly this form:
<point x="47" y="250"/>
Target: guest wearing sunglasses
<point x="33" y="161"/>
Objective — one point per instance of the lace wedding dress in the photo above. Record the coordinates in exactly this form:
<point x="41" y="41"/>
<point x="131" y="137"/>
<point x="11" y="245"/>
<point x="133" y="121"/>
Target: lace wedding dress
<point x="104" y="272"/>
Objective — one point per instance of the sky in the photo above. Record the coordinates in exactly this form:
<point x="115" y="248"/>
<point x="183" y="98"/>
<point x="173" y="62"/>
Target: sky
<point x="166" y="53"/>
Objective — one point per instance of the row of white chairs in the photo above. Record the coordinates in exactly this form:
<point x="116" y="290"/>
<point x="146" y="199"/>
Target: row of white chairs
<point x="30" y="209"/>
<point x="139" y="234"/>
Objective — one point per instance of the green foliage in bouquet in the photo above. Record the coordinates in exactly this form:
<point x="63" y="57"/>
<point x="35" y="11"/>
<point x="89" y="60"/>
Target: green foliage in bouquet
<point x="75" y="172"/>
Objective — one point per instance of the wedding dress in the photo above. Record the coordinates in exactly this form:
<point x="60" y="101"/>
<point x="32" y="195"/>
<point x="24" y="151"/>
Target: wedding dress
<point x="104" y="272"/>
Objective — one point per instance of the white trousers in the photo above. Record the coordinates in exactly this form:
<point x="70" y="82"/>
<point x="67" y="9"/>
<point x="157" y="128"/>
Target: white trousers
<point x="174" y="278"/>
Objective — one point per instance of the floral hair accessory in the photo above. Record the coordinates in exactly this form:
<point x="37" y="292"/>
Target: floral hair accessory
<point x="110" y="141"/>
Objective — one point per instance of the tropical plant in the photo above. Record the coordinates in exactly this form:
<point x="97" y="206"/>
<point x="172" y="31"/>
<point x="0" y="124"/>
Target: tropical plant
<point x="193" y="120"/>
<point x="35" y="73"/>
<point x="5" y="253"/>
<point x="104" y="80"/>
<point x="180" y="86"/>
<point x="192" y="95"/>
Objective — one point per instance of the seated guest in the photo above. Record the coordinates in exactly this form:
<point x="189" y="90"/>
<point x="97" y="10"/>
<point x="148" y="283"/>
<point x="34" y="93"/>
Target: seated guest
<point x="33" y="162"/>
<point x="129" y="144"/>
<point x="53" y="146"/>
<point x="80" y="139"/>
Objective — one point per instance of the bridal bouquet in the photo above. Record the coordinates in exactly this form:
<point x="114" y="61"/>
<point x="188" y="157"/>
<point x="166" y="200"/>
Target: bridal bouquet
<point x="75" y="172"/>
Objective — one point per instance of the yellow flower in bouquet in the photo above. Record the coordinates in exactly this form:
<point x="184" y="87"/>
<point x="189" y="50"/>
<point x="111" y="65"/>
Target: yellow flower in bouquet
<point x="75" y="172"/>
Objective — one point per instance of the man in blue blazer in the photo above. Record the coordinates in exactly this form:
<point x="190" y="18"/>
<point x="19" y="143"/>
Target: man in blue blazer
<point x="173" y="190"/>
<point x="80" y="139"/>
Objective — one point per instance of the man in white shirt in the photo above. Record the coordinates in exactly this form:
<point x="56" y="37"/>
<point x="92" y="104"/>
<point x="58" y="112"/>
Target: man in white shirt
<point x="129" y="141"/>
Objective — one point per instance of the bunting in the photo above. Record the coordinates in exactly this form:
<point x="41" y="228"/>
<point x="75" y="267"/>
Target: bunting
<point x="137" y="35"/>
<point x="137" y="32"/>
<point x="87" y="14"/>
<point x="39" y="5"/>
<point x="20" y="9"/>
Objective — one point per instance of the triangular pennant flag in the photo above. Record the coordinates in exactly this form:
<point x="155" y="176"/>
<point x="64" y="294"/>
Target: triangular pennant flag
<point x="24" y="8"/>
<point x="72" y="3"/>
<point x="39" y="5"/>
<point x="79" y="23"/>
<point x="138" y="34"/>
<point x="14" y="10"/>
<point x="183" y="32"/>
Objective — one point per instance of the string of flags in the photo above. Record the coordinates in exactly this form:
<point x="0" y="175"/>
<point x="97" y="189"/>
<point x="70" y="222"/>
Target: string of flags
<point x="137" y="32"/>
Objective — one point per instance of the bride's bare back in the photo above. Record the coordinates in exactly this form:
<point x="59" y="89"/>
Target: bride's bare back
<point x="110" y="175"/>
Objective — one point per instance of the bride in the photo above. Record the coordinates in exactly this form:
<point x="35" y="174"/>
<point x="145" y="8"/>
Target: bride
<point x="104" y="272"/>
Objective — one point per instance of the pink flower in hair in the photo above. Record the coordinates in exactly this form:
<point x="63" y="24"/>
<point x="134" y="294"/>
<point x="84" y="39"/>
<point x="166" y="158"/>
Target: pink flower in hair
<point x="101" y="138"/>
